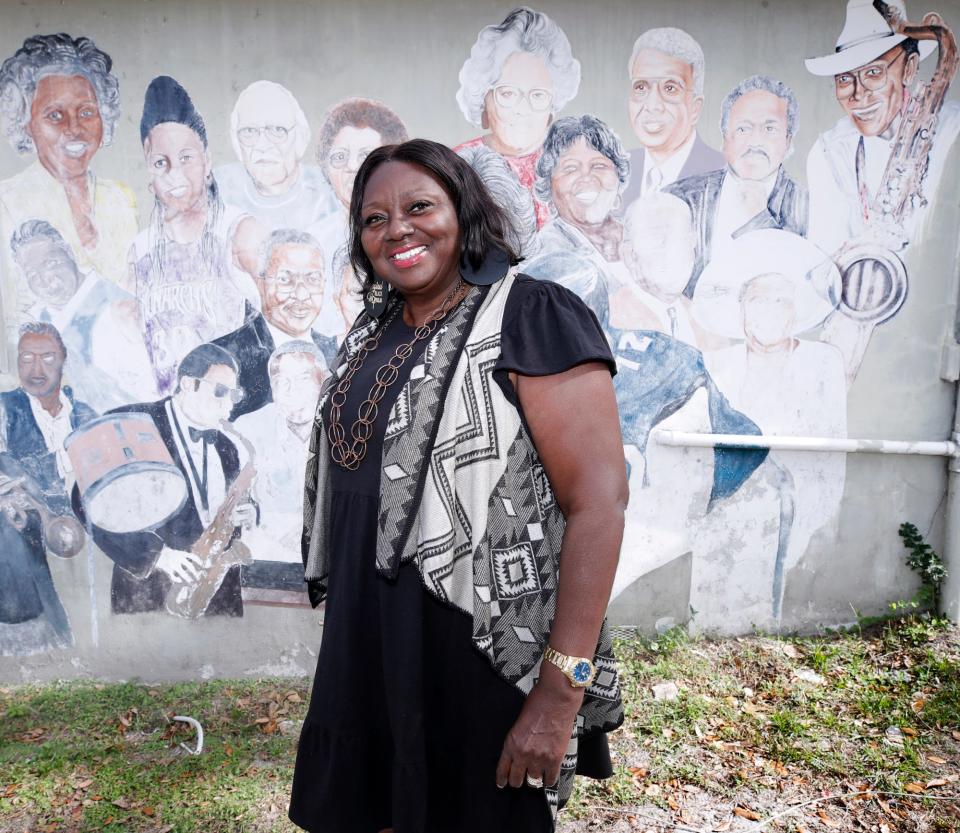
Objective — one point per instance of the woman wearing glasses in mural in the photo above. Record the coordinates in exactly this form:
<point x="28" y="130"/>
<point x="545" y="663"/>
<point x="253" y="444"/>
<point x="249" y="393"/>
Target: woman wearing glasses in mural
<point x="350" y="131"/>
<point x="60" y="100"/>
<point x="450" y="633"/>
<point x="192" y="267"/>
<point x="519" y="75"/>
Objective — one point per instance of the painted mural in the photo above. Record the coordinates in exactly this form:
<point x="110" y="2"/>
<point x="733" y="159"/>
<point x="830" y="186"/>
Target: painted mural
<point x="169" y="357"/>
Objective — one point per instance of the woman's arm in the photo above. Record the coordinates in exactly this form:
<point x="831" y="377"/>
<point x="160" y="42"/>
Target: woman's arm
<point x="576" y="428"/>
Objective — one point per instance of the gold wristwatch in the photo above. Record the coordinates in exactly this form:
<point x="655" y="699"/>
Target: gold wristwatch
<point x="580" y="671"/>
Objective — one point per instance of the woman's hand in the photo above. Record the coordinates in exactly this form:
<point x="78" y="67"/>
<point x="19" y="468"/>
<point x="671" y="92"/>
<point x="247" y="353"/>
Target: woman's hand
<point x="539" y="739"/>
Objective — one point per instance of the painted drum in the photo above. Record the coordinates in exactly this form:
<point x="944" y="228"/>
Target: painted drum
<point x="125" y="474"/>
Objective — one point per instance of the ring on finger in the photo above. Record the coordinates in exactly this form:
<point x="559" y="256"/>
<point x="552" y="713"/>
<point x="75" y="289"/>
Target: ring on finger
<point x="536" y="783"/>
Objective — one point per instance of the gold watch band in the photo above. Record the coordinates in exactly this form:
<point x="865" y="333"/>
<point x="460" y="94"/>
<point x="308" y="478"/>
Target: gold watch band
<point x="579" y="671"/>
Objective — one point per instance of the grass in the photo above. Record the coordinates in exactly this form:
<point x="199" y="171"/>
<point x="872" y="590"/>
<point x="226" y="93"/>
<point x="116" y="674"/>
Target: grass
<point x="759" y="723"/>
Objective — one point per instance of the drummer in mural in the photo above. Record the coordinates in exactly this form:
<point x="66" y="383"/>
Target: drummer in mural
<point x="60" y="101"/>
<point x="766" y="290"/>
<point x="193" y="267"/>
<point x="270" y="134"/>
<point x="350" y="130"/>
<point x="519" y="75"/>
<point x="152" y="557"/>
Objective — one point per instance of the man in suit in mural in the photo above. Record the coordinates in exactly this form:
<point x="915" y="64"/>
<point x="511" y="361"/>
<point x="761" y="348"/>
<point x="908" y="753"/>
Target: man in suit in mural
<point x="270" y="134"/>
<point x="290" y="282"/>
<point x="106" y="359"/>
<point x="35" y="419"/>
<point x="873" y="69"/>
<point x="759" y="120"/>
<point x="188" y="421"/>
<point x="666" y="98"/>
<point x="280" y="431"/>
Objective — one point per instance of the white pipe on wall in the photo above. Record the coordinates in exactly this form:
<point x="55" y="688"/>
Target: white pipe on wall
<point x="930" y="448"/>
<point x="950" y="591"/>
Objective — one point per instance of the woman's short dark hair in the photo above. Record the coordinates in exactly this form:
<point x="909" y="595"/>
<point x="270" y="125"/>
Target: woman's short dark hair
<point x="484" y="226"/>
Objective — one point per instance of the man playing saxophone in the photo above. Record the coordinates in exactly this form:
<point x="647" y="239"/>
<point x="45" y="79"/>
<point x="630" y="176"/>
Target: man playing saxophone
<point x="874" y="70"/>
<point x="148" y="562"/>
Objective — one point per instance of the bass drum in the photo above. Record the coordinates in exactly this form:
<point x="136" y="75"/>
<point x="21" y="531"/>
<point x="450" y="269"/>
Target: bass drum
<point x="126" y="476"/>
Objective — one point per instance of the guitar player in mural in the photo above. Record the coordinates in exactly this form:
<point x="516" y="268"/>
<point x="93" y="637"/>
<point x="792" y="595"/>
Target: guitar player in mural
<point x="150" y="561"/>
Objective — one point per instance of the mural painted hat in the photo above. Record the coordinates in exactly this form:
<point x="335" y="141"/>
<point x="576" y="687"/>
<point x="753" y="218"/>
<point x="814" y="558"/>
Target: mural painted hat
<point x="815" y="278"/>
<point x="866" y="36"/>
<point x="166" y="101"/>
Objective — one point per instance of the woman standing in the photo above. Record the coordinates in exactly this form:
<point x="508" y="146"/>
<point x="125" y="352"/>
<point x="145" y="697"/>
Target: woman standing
<point x="454" y="467"/>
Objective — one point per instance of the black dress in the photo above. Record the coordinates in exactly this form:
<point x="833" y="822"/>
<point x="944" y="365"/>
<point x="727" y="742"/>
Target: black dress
<point x="406" y="720"/>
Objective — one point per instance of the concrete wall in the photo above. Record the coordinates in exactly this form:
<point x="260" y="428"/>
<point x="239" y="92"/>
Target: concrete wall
<point x="687" y="558"/>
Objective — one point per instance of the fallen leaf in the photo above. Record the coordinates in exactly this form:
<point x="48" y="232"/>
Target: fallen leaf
<point x="937" y="782"/>
<point x="744" y="813"/>
<point x="934" y="759"/>
<point x="122" y="803"/>
<point x="955" y="734"/>
<point x="829" y="822"/>
<point x="910" y="732"/>
<point x="723" y="826"/>
<point x="913" y="787"/>
<point x="148" y="811"/>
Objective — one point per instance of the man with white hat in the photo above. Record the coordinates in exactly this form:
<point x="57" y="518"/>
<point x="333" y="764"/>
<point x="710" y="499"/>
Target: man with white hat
<point x="873" y="69"/>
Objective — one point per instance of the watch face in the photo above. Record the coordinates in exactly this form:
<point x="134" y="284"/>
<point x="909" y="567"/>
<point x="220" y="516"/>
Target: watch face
<point x="581" y="671"/>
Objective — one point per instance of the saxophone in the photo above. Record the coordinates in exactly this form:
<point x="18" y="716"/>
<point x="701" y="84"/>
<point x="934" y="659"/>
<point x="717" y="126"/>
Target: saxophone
<point x="217" y="554"/>
<point x="874" y="275"/>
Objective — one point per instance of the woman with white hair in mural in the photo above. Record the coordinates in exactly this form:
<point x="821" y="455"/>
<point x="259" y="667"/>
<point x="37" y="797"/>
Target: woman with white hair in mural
<point x="581" y="175"/>
<point x="192" y="268"/>
<point x="765" y="290"/>
<point x="60" y="100"/>
<point x="351" y="129"/>
<point x="519" y="75"/>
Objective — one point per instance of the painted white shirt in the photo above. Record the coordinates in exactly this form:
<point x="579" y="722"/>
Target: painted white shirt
<point x="216" y="481"/>
<point x="732" y="213"/>
<point x="657" y="176"/>
<point x="836" y="214"/>
<point x="55" y="430"/>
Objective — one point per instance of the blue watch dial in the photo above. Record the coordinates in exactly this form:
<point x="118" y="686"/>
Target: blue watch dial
<point x="581" y="671"/>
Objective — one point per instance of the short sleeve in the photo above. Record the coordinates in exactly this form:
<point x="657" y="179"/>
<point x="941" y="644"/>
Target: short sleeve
<point x="548" y="329"/>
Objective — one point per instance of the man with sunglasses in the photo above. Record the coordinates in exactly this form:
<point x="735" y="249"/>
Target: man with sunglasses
<point x="270" y="134"/>
<point x="290" y="281"/>
<point x="188" y="422"/>
<point x="873" y="70"/>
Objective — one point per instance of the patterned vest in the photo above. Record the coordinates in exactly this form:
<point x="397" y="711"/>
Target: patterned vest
<point x="483" y="529"/>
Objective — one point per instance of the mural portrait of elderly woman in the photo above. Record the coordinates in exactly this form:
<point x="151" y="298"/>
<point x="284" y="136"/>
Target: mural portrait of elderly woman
<point x="60" y="101"/>
<point x="582" y="174"/>
<point x="519" y="75"/>
<point x="192" y="268"/>
<point x="351" y="129"/>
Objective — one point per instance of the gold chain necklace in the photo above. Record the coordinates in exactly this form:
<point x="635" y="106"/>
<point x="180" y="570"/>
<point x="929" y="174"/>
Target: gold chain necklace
<point x="349" y="456"/>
